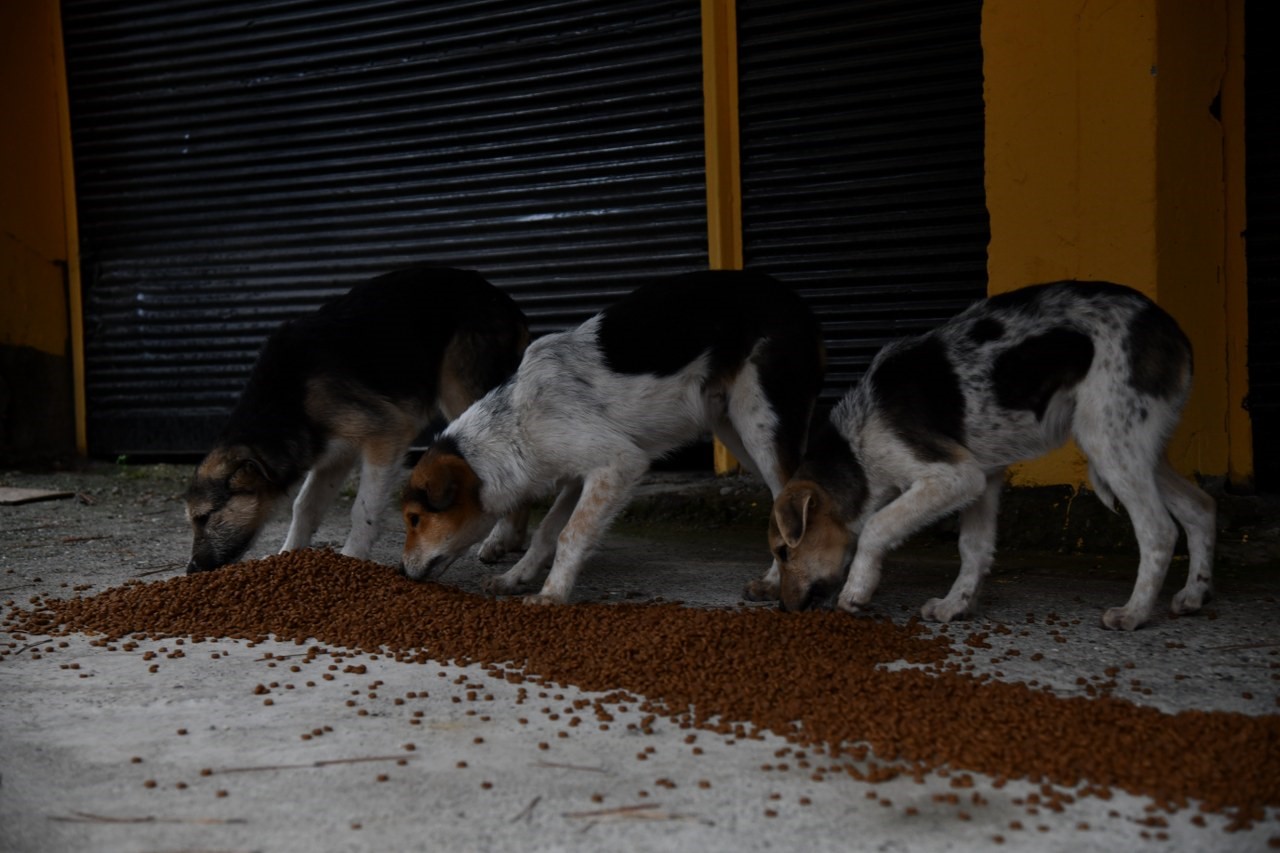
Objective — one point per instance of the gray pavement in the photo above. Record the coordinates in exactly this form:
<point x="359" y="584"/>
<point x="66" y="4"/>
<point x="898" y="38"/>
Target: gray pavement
<point x="164" y="745"/>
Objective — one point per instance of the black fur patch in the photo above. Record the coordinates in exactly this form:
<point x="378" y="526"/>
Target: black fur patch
<point x="985" y="330"/>
<point x="385" y="337"/>
<point x="1027" y="376"/>
<point x="661" y="327"/>
<point x="917" y="389"/>
<point x="1158" y="352"/>
<point x="446" y="445"/>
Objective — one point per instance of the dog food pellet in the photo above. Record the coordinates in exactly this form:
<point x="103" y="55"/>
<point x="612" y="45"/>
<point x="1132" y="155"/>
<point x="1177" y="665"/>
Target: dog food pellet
<point x="150" y="783"/>
<point x="816" y="678"/>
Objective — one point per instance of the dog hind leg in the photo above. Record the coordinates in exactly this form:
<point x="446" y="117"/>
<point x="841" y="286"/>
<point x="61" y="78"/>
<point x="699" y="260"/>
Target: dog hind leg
<point x="768" y="438"/>
<point x="977" y="551"/>
<point x="1133" y="481"/>
<point x="1195" y="511"/>
<point x="317" y="493"/>
<point x="542" y="548"/>
<point x="508" y="535"/>
<point x="765" y="588"/>
<point x="945" y="489"/>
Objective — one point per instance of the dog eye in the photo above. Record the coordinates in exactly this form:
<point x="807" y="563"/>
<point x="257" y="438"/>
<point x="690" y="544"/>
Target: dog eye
<point x="200" y="520"/>
<point x="413" y="520"/>
<point x="781" y="553"/>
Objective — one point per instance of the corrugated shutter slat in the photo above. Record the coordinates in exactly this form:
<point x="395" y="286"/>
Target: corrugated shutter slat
<point x="862" y="164"/>
<point x="238" y="161"/>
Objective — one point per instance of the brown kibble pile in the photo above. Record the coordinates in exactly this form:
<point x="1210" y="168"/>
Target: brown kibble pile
<point x="813" y="678"/>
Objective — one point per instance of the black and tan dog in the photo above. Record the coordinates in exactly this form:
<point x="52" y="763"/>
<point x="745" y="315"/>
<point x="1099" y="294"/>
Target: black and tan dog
<point x="360" y="377"/>
<point x="937" y="419"/>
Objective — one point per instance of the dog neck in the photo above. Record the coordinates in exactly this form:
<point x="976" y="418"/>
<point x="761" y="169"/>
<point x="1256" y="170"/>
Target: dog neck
<point x="491" y="439"/>
<point x="831" y="461"/>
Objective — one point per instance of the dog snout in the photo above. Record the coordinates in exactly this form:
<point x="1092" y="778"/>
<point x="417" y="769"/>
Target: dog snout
<point x="430" y="569"/>
<point x="195" y="567"/>
<point x="437" y="564"/>
<point x="806" y="595"/>
<point x="796" y="599"/>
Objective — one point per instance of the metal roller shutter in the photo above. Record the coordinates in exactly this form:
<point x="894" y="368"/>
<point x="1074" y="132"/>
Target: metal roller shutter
<point x="237" y="161"/>
<point x="1262" y="243"/>
<point x="862" y="163"/>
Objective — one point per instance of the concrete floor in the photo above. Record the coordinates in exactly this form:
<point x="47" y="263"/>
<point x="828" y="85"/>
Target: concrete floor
<point x="85" y="728"/>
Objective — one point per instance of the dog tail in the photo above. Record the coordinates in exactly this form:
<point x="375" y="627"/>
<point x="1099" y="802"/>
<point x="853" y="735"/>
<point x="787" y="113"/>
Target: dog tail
<point x="1100" y="486"/>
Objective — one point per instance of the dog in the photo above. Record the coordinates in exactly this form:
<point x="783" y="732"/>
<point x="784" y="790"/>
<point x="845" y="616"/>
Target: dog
<point x="933" y="424"/>
<point x="362" y="376"/>
<point x="735" y="353"/>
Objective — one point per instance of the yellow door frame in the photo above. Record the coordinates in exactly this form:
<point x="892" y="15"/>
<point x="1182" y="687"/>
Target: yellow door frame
<point x="724" y="183"/>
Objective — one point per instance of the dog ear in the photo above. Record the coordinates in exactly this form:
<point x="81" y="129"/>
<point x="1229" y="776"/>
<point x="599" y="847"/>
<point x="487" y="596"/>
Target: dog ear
<point x="442" y="489"/>
<point x="250" y="474"/>
<point x="791" y="514"/>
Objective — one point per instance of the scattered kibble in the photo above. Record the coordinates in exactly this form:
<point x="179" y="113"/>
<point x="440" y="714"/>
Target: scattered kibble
<point x="834" y="679"/>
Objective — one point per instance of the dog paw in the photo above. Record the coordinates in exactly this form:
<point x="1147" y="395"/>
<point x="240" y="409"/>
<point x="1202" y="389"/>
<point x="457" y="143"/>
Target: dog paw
<point x="1187" y="601"/>
<point x="543" y="598"/>
<point x="499" y="585"/>
<point x="943" y="610"/>
<point x="761" y="590"/>
<point x="1122" y="619"/>
<point x="848" y="605"/>
<point x="491" y="552"/>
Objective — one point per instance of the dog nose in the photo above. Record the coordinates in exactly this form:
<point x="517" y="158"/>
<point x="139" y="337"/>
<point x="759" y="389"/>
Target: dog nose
<point x="193" y="568"/>
<point x="400" y="569"/>
<point x="793" y="600"/>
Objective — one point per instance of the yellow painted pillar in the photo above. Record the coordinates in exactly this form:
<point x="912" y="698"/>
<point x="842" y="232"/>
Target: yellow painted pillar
<point x="1199" y="263"/>
<point x="39" y="274"/>
<point x="75" y="293"/>
<point x="1239" y="426"/>
<point x="1103" y="161"/>
<point x="720" y="119"/>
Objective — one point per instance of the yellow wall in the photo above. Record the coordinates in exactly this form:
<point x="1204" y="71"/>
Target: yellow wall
<point x="33" y="242"/>
<point x="1103" y="162"/>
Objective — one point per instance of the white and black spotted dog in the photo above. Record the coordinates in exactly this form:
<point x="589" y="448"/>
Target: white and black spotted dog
<point x="932" y="426"/>
<point x="730" y="352"/>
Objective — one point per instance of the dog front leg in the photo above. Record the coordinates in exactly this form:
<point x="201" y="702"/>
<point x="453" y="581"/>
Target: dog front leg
<point x="604" y="493"/>
<point x="977" y="551"/>
<point x="543" y="547"/>
<point x="930" y="497"/>
<point x="508" y="535"/>
<point x="371" y="500"/>
<point x="316" y="495"/>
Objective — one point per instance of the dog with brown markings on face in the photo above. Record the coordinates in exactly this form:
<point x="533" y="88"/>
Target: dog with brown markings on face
<point x="734" y="353"/>
<point x="360" y="377"/>
<point x="936" y="420"/>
